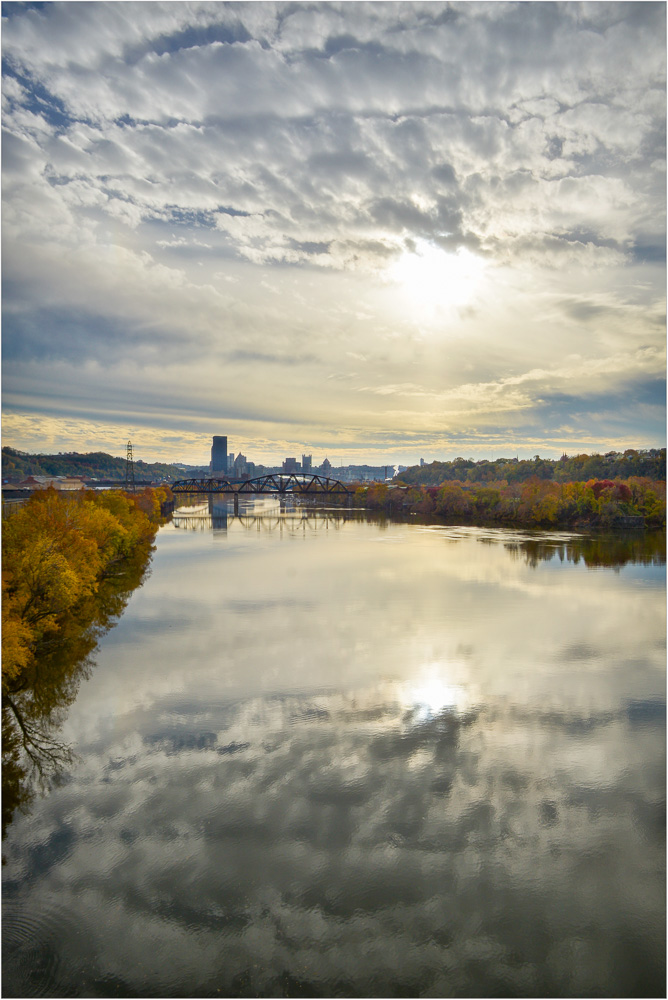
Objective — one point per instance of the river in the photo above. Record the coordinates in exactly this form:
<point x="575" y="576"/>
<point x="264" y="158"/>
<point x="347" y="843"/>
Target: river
<point x="325" y="755"/>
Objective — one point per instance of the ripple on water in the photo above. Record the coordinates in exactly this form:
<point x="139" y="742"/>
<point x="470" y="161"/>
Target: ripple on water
<point x="32" y="955"/>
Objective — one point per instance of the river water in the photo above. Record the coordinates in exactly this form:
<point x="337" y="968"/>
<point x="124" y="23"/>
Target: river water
<point x="320" y="755"/>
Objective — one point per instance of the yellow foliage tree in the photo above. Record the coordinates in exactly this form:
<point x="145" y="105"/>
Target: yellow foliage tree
<point x="16" y="639"/>
<point x="55" y="551"/>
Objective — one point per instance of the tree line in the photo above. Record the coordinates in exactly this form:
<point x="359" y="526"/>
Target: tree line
<point x="649" y="464"/>
<point x="17" y="465"/>
<point x="536" y="502"/>
<point x="56" y="550"/>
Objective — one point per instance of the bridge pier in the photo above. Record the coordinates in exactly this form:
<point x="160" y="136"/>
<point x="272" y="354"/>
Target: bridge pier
<point x="236" y="504"/>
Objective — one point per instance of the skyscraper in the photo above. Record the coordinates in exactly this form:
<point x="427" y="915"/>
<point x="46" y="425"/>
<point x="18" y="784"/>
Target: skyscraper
<point x="219" y="455"/>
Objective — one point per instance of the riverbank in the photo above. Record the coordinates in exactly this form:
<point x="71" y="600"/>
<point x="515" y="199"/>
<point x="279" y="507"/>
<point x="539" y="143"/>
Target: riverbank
<point x="56" y="551"/>
<point x="611" y="504"/>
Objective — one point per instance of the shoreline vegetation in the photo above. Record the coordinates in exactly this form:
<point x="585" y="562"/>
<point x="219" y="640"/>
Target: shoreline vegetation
<point x="637" y="502"/>
<point x="35" y="704"/>
<point x="57" y="553"/>
<point x="616" y="490"/>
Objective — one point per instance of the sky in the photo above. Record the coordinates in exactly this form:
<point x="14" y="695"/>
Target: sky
<point x="378" y="232"/>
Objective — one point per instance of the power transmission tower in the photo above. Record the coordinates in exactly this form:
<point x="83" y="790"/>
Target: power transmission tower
<point x="129" y="470"/>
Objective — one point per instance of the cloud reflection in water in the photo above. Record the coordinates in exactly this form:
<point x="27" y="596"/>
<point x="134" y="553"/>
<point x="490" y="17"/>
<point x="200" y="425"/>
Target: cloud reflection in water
<point x="422" y="801"/>
<point x="304" y="833"/>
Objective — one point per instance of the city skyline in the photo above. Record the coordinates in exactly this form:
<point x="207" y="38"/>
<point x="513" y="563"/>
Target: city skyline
<point x="373" y="232"/>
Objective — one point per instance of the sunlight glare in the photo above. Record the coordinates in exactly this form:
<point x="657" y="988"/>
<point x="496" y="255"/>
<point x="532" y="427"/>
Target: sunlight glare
<point x="433" y="695"/>
<point x="432" y="279"/>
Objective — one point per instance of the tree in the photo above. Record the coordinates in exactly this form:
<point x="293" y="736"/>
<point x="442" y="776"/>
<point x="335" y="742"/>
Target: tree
<point x="452" y="500"/>
<point x="16" y="638"/>
<point x="56" y="550"/>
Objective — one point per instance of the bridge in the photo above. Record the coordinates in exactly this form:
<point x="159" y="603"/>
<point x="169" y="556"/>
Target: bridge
<point x="277" y="484"/>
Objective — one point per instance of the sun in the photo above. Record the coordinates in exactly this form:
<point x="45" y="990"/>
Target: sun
<point x="432" y="280"/>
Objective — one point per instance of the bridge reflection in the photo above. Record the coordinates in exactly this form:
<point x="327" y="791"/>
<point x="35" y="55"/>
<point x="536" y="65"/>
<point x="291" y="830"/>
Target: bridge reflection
<point x="218" y="515"/>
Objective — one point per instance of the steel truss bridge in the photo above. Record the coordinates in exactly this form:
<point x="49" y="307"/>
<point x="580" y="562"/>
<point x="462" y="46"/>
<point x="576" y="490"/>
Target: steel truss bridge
<point x="276" y="484"/>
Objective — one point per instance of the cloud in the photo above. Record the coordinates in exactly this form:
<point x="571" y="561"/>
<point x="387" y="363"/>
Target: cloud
<point x="166" y="166"/>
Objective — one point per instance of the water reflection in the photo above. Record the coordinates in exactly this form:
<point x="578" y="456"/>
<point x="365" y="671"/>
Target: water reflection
<point x="358" y="762"/>
<point x="286" y="515"/>
<point x="278" y="845"/>
<point x="612" y="550"/>
<point x="34" y="705"/>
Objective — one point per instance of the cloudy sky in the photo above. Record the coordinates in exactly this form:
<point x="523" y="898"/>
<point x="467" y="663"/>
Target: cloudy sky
<point x="373" y="231"/>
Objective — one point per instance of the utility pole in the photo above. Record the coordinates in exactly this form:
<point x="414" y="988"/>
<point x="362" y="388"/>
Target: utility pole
<point x="129" y="470"/>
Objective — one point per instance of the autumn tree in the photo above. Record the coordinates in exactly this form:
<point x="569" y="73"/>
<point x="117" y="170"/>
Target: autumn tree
<point x="56" y="549"/>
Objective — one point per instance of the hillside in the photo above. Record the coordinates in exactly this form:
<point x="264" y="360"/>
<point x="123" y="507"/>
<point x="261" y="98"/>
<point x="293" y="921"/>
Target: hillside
<point x="574" y="469"/>
<point x="17" y="465"/>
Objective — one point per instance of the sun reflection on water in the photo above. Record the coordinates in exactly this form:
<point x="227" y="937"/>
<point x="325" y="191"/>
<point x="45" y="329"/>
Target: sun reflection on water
<point x="433" y="693"/>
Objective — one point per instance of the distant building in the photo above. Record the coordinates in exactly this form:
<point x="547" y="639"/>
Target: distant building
<point x="219" y="455"/>
<point x="291" y="465"/>
<point x="307" y="463"/>
<point x="364" y="473"/>
<point x="326" y="467"/>
<point x="240" y="466"/>
<point x="57" y="482"/>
